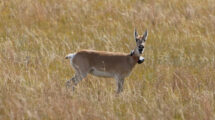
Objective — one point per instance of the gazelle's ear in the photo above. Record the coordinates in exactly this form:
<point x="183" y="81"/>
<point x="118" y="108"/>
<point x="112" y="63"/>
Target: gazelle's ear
<point x="145" y="35"/>
<point x="135" y="34"/>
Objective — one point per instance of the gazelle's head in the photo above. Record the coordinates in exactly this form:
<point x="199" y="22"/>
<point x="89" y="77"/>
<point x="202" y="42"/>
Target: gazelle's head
<point x="140" y="42"/>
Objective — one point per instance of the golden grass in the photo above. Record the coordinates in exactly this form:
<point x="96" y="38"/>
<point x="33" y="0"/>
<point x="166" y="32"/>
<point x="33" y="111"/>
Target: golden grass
<point x="176" y="81"/>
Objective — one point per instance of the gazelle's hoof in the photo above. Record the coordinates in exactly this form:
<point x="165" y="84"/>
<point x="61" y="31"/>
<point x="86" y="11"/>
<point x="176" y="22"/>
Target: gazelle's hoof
<point x="68" y="83"/>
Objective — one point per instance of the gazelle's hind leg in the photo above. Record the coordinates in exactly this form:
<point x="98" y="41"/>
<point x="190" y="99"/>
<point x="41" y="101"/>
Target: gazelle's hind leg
<point x="74" y="80"/>
<point x="79" y="75"/>
<point x="119" y="83"/>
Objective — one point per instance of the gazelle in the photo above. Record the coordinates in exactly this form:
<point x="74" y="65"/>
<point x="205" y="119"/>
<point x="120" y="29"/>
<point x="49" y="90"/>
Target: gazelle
<point x="107" y="64"/>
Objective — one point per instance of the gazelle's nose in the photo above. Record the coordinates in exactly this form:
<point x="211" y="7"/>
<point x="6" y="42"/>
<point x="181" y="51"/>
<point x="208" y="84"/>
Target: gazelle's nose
<point x="141" y="47"/>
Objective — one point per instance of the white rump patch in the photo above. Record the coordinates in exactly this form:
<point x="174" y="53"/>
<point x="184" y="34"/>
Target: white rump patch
<point x="70" y="56"/>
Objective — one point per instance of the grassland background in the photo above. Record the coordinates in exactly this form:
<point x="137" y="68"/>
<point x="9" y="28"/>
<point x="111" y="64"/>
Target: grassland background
<point x="176" y="81"/>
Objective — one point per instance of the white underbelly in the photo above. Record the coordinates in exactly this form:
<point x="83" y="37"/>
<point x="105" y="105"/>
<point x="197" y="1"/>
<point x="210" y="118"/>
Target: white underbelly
<point x="101" y="73"/>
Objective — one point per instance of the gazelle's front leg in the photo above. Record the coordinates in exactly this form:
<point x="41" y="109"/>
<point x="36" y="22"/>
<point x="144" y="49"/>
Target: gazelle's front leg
<point x="119" y="83"/>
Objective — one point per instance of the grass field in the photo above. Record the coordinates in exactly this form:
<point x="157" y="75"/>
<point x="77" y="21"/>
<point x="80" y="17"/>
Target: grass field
<point x="176" y="81"/>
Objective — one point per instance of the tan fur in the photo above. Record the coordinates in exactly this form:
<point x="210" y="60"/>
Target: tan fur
<point x="118" y="64"/>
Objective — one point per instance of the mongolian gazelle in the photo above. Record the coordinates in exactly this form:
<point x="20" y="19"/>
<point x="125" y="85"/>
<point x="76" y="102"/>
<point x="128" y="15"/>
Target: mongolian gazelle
<point x="106" y="64"/>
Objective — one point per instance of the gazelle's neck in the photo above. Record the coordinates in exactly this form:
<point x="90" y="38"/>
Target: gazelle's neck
<point x="136" y="57"/>
<point x="134" y="53"/>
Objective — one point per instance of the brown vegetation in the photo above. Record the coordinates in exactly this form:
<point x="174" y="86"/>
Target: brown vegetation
<point x="176" y="81"/>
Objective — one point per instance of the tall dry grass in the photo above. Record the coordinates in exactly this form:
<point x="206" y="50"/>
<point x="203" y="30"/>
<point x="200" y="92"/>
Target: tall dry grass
<point x="176" y="81"/>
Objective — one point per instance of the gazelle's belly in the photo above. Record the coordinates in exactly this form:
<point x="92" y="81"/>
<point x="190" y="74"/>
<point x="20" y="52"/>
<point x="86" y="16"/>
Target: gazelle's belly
<point x="100" y="73"/>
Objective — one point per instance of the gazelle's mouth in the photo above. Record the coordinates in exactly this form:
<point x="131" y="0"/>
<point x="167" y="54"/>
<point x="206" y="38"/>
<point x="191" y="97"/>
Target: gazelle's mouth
<point x="140" y="50"/>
